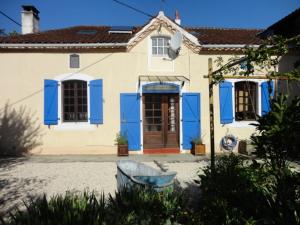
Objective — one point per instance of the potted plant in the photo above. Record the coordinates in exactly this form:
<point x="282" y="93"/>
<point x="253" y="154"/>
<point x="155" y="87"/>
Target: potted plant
<point x="122" y="143"/>
<point x="198" y="148"/>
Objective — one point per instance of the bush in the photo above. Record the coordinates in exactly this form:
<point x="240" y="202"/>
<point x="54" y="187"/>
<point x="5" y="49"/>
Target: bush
<point x="144" y="206"/>
<point x="19" y="131"/>
<point x="68" y="209"/>
<point x="137" y="206"/>
<point x="279" y="133"/>
<point x="240" y="192"/>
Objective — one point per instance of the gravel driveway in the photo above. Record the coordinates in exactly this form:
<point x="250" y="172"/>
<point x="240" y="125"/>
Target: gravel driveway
<point x="22" y="178"/>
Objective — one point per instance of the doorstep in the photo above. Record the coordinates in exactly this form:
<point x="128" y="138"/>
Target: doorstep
<point x="161" y="151"/>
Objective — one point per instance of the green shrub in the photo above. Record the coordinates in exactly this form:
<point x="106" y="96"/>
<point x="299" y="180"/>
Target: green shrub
<point x="68" y="209"/>
<point x="144" y="206"/>
<point x="227" y="194"/>
<point x="240" y="192"/>
<point x="278" y="135"/>
<point x="136" y="206"/>
<point x="121" y="139"/>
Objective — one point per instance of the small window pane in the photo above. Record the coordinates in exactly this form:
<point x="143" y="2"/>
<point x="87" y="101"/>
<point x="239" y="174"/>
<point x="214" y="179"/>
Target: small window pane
<point x="149" y="113"/>
<point x="157" y="121"/>
<point x="166" y="40"/>
<point x="160" y="42"/>
<point x="154" y="50"/>
<point x="157" y="113"/>
<point x="160" y="51"/>
<point x="149" y="120"/>
<point x="66" y="92"/>
<point x="148" y="105"/>
<point x="154" y="42"/>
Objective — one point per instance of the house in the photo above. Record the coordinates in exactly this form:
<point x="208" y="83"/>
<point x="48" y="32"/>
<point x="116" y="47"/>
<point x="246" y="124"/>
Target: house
<point x="287" y="27"/>
<point x="87" y="83"/>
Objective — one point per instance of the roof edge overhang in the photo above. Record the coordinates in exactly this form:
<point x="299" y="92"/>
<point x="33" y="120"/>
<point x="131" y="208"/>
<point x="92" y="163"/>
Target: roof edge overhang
<point x="225" y="48"/>
<point x="60" y="45"/>
<point x="229" y="46"/>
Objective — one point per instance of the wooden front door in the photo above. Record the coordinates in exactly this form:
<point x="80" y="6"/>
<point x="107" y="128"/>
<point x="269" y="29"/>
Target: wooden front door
<point x="160" y="121"/>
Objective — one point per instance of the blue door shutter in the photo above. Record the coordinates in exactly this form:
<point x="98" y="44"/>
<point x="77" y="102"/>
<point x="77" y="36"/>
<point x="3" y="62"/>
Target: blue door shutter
<point x="50" y="102"/>
<point x="96" y="102"/>
<point x="190" y="118"/>
<point x="130" y="119"/>
<point x="225" y="95"/>
<point x="265" y="103"/>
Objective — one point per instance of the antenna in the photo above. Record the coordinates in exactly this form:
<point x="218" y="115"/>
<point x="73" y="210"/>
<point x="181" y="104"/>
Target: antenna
<point x="175" y="44"/>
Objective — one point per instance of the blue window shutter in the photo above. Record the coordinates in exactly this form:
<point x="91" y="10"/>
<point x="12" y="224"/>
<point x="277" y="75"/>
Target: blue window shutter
<point x="265" y="103"/>
<point x="190" y="118"/>
<point x="225" y="95"/>
<point x="50" y="102"/>
<point x="96" y="102"/>
<point x="130" y="119"/>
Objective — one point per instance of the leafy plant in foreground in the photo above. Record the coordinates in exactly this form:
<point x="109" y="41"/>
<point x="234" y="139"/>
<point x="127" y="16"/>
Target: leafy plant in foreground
<point x="131" y="206"/>
<point x="243" y="192"/>
<point x="83" y="209"/>
<point x="279" y="133"/>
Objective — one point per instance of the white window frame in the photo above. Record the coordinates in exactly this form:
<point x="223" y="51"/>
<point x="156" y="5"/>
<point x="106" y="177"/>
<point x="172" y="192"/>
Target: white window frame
<point x="163" y="37"/>
<point x="246" y="124"/>
<point x="80" y="125"/>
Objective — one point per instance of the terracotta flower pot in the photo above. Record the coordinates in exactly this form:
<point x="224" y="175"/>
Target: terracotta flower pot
<point x="198" y="149"/>
<point x="122" y="150"/>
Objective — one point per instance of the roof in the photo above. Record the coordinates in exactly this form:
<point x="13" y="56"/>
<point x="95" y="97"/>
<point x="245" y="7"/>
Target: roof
<point x="226" y="36"/>
<point x="84" y="34"/>
<point x="287" y="26"/>
<point x="78" y="34"/>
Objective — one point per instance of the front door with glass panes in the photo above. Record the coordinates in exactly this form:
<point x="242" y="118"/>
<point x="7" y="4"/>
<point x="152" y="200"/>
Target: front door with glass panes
<point x="160" y="121"/>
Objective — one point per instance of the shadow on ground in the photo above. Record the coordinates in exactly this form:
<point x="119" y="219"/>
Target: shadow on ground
<point x="10" y="162"/>
<point x="15" y="190"/>
<point x="191" y="193"/>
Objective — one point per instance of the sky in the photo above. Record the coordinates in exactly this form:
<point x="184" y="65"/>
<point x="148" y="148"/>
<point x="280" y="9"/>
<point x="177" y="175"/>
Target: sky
<point x="205" y="13"/>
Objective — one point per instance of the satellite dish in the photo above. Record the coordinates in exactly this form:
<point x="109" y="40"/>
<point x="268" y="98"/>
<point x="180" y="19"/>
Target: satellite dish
<point x="175" y="44"/>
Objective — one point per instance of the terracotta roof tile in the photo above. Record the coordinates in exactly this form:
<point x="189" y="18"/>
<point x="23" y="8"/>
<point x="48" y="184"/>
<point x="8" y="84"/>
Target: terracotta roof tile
<point x="71" y="35"/>
<point x="101" y="35"/>
<point x="222" y="36"/>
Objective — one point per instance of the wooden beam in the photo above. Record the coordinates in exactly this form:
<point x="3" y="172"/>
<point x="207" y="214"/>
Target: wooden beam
<point x="211" y="113"/>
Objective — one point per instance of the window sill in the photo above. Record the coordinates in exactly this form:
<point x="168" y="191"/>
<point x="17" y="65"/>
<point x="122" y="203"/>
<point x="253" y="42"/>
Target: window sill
<point x="75" y="126"/>
<point x="161" y="56"/>
<point x="242" y="124"/>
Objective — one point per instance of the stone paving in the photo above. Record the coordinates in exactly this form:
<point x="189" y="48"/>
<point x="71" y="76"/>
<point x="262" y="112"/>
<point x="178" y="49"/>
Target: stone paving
<point x="22" y="178"/>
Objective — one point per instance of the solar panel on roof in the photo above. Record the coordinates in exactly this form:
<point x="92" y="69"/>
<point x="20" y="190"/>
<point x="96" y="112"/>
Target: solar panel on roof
<point x="87" y="32"/>
<point x="121" y="29"/>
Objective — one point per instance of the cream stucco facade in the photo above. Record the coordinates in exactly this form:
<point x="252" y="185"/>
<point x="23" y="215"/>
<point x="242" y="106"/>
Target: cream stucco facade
<point x="23" y="74"/>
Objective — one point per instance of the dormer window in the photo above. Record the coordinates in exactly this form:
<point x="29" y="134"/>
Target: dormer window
<point x="74" y="61"/>
<point x="160" y="46"/>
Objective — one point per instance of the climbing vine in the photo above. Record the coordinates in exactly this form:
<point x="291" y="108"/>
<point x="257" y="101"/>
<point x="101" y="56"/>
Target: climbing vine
<point x="264" y="58"/>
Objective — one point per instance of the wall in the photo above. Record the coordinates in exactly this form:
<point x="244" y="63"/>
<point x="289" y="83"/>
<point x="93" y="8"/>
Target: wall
<point x="291" y="88"/>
